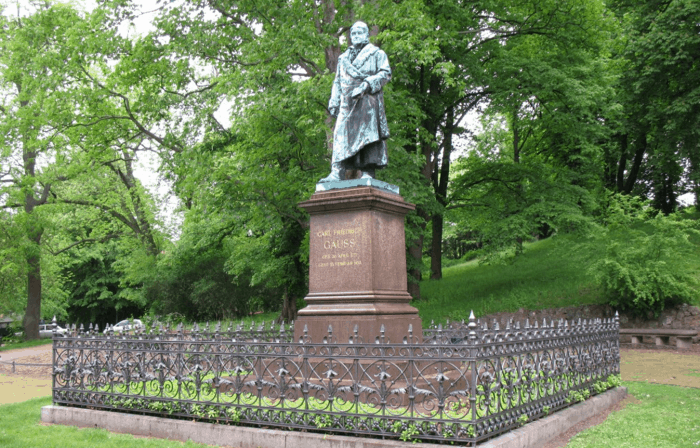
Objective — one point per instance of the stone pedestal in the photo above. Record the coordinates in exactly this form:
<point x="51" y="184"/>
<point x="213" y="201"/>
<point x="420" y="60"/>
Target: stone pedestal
<point x="357" y="266"/>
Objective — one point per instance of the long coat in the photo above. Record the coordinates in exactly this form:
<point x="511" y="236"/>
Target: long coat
<point x="361" y="129"/>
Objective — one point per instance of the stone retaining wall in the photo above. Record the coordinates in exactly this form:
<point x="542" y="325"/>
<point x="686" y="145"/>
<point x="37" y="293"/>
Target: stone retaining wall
<point x="682" y="317"/>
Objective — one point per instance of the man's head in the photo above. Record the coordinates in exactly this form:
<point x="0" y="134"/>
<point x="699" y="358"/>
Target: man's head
<point x="359" y="33"/>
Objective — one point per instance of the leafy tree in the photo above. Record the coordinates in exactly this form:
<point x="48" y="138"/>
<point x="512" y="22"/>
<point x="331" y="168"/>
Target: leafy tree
<point x="645" y="267"/>
<point x="657" y="142"/>
<point x="94" y="285"/>
<point x="67" y="142"/>
<point x="36" y="80"/>
<point x="536" y="168"/>
<point x="12" y="267"/>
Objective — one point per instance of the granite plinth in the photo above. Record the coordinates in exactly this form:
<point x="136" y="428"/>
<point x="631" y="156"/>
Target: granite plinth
<point x="357" y="266"/>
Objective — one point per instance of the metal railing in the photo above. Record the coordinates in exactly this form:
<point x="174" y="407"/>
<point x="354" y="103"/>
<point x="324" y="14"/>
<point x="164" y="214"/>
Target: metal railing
<point x="14" y="365"/>
<point x="463" y="384"/>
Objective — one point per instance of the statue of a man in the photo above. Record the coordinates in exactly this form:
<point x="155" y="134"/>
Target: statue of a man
<point x="357" y="100"/>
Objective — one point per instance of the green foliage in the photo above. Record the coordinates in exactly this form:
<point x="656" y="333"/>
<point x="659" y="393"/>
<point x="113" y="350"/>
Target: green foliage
<point x="322" y="421"/>
<point x="578" y="395"/>
<point x="648" y="262"/>
<point x="562" y="84"/>
<point x="658" y="90"/>
<point x="193" y="280"/>
<point x="96" y="290"/>
<point x="13" y="285"/>
<point x="523" y="419"/>
<point x="506" y="203"/>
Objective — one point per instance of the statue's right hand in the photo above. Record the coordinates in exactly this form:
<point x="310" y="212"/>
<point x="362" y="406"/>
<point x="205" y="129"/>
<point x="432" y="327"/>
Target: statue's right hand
<point x="333" y="111"/>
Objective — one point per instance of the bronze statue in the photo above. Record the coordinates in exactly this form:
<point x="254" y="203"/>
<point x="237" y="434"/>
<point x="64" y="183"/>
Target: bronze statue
<point x="357" y="100"/>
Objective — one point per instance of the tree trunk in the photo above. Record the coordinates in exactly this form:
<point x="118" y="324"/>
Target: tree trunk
<point x="516" y="160"/>
<point x="622" y="164"/>
<point x="144" y="225"/>
<point x="641" y="144"/>
<point x="441" y="196"/>
<point x="415" y="252"/>
<point x="32" y="314"/>
<point x="427" y="147"/>
<point x="289" y="307"/>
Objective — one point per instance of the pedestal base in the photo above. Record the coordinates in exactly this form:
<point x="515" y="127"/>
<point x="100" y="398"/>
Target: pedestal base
<point x="395" y="328"/>
<point x="357" y="267"/>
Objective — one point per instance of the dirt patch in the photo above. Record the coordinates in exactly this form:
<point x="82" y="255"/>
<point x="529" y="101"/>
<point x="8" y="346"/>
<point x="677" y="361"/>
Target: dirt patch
<point x="27" y="381"/>
<point x="661" y="366"/>
<point x="15" y="388"/>
<point x="36" y="372"/>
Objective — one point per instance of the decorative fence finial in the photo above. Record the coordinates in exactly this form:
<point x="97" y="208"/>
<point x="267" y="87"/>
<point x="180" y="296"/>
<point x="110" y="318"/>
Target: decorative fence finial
<point x="472" y="326"/>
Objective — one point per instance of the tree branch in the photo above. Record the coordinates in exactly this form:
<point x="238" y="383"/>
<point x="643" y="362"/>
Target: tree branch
<point x="203" y="89"/>
<point x="126" y="221"/>
<point x="85" y="241"/>
<point x="131" y="116"/>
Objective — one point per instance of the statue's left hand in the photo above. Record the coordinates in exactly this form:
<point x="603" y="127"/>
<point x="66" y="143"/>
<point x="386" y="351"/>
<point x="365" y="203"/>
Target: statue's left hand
<point x="364" y="87"/>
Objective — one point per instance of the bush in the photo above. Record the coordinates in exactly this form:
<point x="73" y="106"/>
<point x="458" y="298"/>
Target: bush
<point x="648" y="262"/>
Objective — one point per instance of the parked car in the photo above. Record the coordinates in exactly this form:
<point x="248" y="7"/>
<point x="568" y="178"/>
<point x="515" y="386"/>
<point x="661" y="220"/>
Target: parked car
<point x="45" y="330"/>
<point x="128" y="324"/>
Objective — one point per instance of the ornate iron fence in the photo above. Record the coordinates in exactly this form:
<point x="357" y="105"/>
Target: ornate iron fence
<point x="463" y="384"/>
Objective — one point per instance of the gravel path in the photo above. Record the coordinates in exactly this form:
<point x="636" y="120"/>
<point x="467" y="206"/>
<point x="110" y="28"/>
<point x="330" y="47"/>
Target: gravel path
<point x="33" y="355"/>
<point x="10" y="355"/>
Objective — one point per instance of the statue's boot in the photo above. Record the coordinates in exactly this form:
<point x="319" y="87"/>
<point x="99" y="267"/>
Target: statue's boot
<point x="336" y="174"/>
<point x="368" y="174"/>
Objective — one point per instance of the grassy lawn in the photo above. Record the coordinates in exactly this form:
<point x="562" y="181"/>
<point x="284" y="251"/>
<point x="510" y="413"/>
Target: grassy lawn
<point x="20" y="428"/>
<point x="664" y="416"/>
<point x="550" y="273"/>
<point x="25" y="344"/>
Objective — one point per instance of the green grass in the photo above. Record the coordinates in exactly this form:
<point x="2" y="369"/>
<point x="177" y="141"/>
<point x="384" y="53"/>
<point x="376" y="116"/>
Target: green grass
<point x="550" y="273"/>
<point x="25" y="344"/>
<point x="666" y="416"/>
<point x="20" y="428"/>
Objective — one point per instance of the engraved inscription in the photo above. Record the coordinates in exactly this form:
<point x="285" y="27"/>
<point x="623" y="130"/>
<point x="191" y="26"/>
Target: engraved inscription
<point x="339" y="264"/>
<point x="340" y="246"/>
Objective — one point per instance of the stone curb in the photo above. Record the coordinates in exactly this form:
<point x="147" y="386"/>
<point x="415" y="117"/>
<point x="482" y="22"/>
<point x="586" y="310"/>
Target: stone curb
<point x="537" y="433"/>
<point x="531" y="435"/>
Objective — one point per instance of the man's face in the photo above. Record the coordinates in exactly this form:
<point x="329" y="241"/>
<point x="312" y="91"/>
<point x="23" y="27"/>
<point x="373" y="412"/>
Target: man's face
<point x="359" y="35"/>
